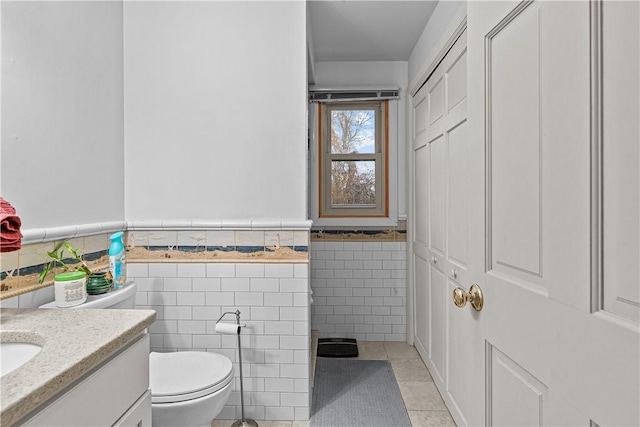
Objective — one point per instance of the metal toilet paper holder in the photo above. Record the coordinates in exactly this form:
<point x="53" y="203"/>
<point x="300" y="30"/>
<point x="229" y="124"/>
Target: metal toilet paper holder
<point x="244" y="422"/>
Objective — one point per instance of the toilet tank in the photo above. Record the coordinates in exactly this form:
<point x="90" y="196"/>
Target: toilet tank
<point x="120" y="298"/>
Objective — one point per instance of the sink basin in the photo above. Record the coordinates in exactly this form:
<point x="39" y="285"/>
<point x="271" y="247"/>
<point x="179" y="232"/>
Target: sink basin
<point x="15" y="354"/>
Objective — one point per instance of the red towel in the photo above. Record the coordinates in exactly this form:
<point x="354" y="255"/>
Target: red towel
<point x="10" y="235"/>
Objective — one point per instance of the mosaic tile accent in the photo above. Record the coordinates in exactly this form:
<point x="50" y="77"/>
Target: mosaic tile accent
<point x="138" y="238"/>
<point x="218" y="246"/>
<point x="221" y="239"/>
<point x="300" y="238"/>
<point x="162" y="238"/>
<point x="19" y="271"/>
<point x="361" y="234"/>
<point x="192" y="239"/>
<point x="249" y="238"/>
<point x="217" y="254"/>
<point x="278" y="238"/>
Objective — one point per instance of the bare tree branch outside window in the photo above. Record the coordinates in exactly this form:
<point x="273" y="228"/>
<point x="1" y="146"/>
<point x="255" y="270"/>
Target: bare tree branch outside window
<point x="353" y="181"/>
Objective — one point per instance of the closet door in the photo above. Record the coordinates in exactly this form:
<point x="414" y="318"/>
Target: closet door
<point x="419" y="226"/>
<point x="444" y="335"/>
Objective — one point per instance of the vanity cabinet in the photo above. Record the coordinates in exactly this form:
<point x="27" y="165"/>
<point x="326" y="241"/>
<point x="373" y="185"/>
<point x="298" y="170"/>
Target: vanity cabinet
<point x="115" y="393"/>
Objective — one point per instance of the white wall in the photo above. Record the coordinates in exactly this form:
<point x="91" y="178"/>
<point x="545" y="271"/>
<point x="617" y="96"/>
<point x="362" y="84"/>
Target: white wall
<point x="372" y="74"/>
<point x="443" y="16"/>
<point x="361" y="73"/>
<point x="215" y="104"/>
<point x="62" y="112"/>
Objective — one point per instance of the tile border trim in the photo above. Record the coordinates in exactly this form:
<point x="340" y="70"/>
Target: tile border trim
<point x="237" y="225"/>
<point x="39" y="235"/>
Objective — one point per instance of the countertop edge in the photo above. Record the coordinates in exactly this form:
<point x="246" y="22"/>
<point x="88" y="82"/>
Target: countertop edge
<point x="18" y="408"/>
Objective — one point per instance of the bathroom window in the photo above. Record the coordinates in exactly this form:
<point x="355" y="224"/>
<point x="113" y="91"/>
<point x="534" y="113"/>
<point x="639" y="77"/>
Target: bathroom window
<point x="353" y="159"/>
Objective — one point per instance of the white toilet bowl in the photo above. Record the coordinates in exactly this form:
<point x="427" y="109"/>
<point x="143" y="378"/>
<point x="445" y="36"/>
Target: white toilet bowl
<point x="180" y="398"/>
<point x="188" y="388"/>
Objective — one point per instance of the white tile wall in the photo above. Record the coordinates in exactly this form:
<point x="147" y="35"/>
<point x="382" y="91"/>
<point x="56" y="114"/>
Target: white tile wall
<point x="274" y="303"/>
<point x="359" y="290"/>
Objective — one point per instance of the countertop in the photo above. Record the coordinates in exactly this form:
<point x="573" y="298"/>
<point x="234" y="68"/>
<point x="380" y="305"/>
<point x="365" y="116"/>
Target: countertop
<point x="73" y="343"/>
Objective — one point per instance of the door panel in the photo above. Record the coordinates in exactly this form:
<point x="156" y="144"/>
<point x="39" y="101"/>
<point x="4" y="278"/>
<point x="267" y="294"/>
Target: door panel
<point x="437" y="309"/>
<point x="518" y="398"/>
<point x="420" y="109"/>
<point x="456" y="75"/>
<point x="436" y="100"/>
<point x="458" y="208"/>
<point x="551" y="358"/>
<point x="419" y="229"/>
<point x="621" y="44"/>
<point x="422" y="324"/>
<point x="421" y="196"/>
<point x="437" y="190"/>
<point x="514" y="145"/>
<point x="460" y="395"/>
<point x="522" y="127"/>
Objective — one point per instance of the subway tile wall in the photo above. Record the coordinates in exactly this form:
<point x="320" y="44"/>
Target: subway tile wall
<point x="359" y="290"/>
<point x="273" y="299"/>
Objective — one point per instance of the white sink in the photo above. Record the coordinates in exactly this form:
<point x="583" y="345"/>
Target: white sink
<point x="15" y="354"/>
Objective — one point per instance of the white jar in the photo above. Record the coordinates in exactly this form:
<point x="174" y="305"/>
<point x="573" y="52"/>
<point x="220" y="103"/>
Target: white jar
<point x="70" y="288"/>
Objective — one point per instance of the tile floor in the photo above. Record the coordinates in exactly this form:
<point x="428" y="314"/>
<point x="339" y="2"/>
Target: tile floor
<point x="421" y="397"/>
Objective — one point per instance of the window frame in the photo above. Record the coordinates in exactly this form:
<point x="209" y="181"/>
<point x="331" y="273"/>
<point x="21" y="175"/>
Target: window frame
<point x="380" y="157"/>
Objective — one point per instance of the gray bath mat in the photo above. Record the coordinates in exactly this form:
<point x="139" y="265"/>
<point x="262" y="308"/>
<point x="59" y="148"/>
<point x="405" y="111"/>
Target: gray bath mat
<point x="357" y="393"/>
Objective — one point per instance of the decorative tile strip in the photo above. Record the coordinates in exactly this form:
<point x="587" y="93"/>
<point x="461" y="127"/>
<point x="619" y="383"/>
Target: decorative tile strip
<point x="157" y="241"/>
<point x="25" y="279"/>
<point x="236" y="254"/>
<point x="375" y="234"/>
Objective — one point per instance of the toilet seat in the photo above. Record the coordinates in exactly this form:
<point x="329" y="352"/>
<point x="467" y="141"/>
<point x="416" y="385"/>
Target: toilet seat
<point x="185" y="375"/>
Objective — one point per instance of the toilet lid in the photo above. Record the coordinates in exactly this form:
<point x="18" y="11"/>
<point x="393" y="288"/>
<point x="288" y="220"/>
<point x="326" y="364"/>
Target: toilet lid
<point x="185" y="375"/>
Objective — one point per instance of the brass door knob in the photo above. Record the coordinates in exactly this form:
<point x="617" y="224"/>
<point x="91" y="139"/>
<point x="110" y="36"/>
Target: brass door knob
<point x="474" y="296"/>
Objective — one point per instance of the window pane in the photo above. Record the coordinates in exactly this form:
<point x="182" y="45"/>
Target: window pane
<point x="353" y="183"/>
<point x="353" y="131"/>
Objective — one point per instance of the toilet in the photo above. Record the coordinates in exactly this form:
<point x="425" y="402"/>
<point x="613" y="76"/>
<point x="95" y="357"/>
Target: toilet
<point x="188" y="388"/>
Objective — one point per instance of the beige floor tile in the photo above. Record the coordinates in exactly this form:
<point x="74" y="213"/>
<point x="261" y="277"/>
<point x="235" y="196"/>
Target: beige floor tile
<point x="371" y="350"/>
<point x="261" y="423"/>
<point x="410" y="370"/>
<point x="400" y="350"/>
<point x="431" y="419"/>
<point x="421" y="396"/>
<point x="300" y="424"/>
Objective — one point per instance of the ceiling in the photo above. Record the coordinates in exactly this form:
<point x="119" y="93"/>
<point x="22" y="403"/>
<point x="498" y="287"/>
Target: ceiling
<point x="364" y="30"/>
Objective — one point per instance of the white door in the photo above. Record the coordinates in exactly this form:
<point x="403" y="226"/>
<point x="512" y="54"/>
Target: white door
<point x="440" y="244"/>
<point x="553" y="87"/>
<point x="550" y="174"/>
